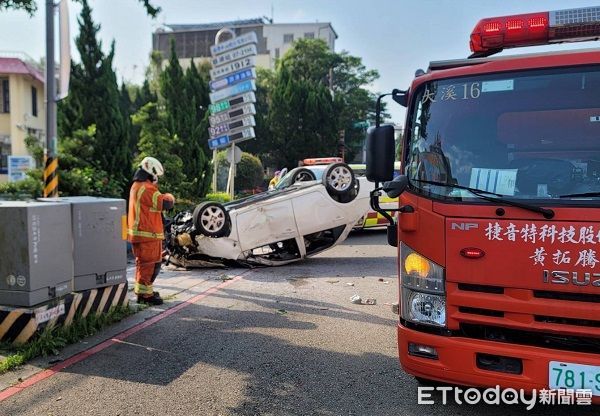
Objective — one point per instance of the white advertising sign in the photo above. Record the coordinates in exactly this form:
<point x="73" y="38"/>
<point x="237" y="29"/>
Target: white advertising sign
<point x="220" y="72"/>
<point x="234" y="55"/>
<point x="242" y="87"/>
<point x="18" y="167"/>
<point x="225" y="105"/>
<point x="233" y="43"/>
<point x="233" y="79"/>
<point x="221" y="129"/>
<point x="226" y="116"/>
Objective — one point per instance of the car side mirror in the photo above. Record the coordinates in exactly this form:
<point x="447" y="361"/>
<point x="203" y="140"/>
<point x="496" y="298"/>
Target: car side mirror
<point x="394" y="188"/>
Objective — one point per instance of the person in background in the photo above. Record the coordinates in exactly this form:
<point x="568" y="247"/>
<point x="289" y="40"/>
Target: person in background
<point x="275" y="180"/>
<point x="145" y="227"/>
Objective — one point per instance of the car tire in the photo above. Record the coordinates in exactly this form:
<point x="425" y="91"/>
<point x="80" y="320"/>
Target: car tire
<point x="303" y="175"/>
<point x="349" y="196"/>
<point x="339" y="179"/>
<point x="212" y="219"/>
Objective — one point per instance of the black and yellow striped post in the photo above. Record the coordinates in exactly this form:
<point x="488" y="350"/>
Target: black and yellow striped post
<point x="51" y="177"/>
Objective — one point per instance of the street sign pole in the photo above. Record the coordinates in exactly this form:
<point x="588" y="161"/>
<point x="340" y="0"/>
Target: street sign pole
<point x="51" y="162"/>
<point x="218" y="36"/>
<point x="232" y="86"/>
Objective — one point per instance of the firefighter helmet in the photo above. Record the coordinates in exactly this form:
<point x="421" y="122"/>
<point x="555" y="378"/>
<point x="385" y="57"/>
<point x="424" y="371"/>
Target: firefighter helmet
<point x="152" y="166"/>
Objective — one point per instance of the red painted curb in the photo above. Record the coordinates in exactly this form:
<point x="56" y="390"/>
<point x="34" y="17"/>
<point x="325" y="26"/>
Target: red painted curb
<point x="11" y="391"/>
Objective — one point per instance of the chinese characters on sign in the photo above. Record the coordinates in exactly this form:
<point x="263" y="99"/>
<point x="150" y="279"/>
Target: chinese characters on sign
<point x="232" y="85"/>
<point x="544" y="236"/>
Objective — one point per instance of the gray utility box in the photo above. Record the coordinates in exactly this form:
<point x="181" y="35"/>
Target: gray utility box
<point x="36" y="252"/>
<point x="99" y="246"/>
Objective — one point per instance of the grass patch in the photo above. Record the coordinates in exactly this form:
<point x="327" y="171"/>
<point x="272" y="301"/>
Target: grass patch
<point x="51" y="340"/>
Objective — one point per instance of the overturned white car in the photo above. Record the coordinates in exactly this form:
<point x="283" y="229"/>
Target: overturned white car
<point x="302" y="217"/>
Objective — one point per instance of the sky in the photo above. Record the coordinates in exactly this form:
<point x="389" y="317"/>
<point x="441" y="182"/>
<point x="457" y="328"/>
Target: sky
<point x="396" y="37"/>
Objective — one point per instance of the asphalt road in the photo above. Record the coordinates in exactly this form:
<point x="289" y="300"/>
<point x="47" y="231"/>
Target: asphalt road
<point x="277" y="341"/>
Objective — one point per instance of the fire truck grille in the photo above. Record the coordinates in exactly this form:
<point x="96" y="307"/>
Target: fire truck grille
<point x="536" y="339"/>
<point x="549" y="319"/>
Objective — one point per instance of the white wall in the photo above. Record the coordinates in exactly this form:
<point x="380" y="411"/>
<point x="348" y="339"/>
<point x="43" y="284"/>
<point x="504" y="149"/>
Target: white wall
<point x="275" y="36"/>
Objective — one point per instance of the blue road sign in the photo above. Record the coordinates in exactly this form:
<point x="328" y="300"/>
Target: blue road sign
<point x="233" y="79"/>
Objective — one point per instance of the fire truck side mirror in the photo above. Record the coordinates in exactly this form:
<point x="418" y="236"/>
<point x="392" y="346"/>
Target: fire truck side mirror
<point x="394" y="188"/>
<point x="380" y="154"/>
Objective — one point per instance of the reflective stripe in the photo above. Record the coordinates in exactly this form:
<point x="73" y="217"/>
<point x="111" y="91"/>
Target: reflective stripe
<point x="140" y="289"/>
<point x="138" y="207"/>
<point x="375" y="219"/>
<point x="155" y="202"/>
<point x="137" y="233"/>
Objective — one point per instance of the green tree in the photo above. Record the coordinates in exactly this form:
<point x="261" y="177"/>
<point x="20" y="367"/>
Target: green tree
<point x="127" y="110"/>
<point x="315" y="94"/>
<point x="302" y="116"/>
<point x="94" y="100"/>
<point x="186" y="101"/>
<point x="156" y="141"/>
<point x="30" y="6"/>
<point x="263" y="144"/>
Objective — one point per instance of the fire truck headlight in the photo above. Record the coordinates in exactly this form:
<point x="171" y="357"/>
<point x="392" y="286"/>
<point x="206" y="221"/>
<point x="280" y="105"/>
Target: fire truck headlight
<point x="419" y="273"/>
<point x="423" y="290"/>
<point x="423" y="308"/>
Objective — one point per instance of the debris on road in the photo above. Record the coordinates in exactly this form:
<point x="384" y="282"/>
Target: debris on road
<point x="350" y="284"/>
<point x="356" y="299"/>
<point x="281" y="311"/>
<point x="225" y="277"/>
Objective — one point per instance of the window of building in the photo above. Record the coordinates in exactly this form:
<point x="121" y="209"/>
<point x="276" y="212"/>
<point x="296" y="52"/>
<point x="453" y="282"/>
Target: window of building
<point x="4" y="96"/>
<point x="276" y="53"/>
<point x="309" y="35"/>
<point x="34" y="108"/>
<point x="5" y="151"/>
<point x="288" y="38"/>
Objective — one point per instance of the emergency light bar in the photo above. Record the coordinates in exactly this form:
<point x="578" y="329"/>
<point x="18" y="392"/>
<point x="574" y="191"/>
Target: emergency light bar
<point x="494" y="34"/>
<point x="322" y="160"/>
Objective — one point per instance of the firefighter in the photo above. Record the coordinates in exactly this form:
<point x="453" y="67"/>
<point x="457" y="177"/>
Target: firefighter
<point x="145" y="227"/>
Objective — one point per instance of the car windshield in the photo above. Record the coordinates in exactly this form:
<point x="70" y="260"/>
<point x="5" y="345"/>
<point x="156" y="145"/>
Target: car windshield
<point x="286" y="181"/>
<point x="525" y="135"/>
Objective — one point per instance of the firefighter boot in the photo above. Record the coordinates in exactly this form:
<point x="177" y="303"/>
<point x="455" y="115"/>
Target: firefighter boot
<point x="154" y="299"/>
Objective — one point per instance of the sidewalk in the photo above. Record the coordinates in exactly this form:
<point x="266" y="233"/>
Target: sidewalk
<point x="175" y="285"/>
<point x="174" y="280"/>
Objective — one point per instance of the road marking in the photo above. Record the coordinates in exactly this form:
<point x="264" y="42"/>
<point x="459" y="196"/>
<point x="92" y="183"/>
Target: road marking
<point x="36" y="378"/>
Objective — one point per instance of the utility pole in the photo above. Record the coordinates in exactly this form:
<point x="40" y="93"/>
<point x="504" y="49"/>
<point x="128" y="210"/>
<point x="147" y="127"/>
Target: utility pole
<point x="51" y="163"/>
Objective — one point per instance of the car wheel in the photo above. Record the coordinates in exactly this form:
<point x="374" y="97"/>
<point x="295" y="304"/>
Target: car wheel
<point x="350" y="195"/>
<point x="339" y="179"/>
<point x="212" y="219"/>
<point x="303" y="175"/>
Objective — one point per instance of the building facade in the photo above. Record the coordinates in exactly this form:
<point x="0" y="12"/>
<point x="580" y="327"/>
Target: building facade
<point x="22" y="108"/>
<point x="274" y="39"/>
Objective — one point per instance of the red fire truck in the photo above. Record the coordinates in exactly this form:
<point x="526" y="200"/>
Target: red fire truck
<point x="498" y="229"/>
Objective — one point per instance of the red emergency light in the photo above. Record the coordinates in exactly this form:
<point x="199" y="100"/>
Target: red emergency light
<point x="494" y="34"/>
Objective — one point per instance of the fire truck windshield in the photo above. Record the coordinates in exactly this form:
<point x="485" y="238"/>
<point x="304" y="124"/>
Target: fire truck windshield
<point x="524" y="135"/>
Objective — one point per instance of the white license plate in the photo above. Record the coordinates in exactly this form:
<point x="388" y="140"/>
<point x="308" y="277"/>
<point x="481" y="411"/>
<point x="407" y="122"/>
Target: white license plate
<point x="574" y="376"/>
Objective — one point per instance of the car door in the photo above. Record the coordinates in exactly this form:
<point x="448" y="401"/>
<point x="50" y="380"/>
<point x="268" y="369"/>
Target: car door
<point x="266" y="222"/>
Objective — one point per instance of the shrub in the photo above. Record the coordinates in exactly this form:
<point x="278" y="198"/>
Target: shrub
<point x="221" y="197"/>
<point x="249" y="174"/>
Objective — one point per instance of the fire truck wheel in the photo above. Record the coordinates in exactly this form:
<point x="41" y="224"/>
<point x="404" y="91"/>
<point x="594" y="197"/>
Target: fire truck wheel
<point x="339" y="179"/>
<point x="212" y="219"/>
<point x="303" y="175"/>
